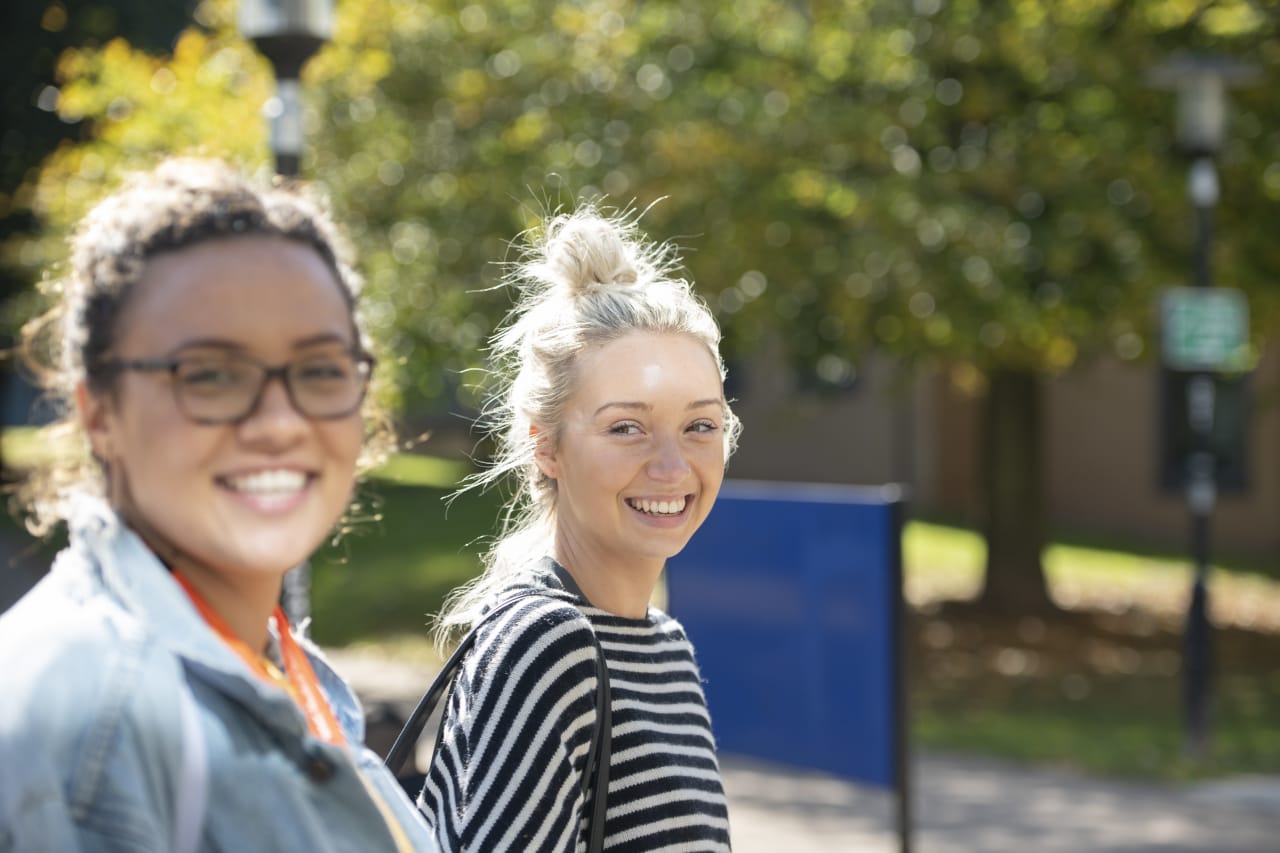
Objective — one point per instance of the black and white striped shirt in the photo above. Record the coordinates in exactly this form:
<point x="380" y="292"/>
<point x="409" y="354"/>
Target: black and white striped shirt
<point x="507" y="772"/>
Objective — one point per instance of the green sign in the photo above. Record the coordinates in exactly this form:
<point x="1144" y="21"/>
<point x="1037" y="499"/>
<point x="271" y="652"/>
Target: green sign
<point x="1205" y="328"/>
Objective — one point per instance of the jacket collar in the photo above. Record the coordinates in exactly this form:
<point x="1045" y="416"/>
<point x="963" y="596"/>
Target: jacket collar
<point x="101" y="543"/>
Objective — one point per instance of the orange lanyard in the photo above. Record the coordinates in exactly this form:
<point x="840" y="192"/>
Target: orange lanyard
<point x="298" y="678"/>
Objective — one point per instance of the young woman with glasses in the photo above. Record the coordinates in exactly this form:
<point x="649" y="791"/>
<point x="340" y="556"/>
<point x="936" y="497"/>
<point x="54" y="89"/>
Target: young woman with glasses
<point x="208" y="352"/>
<point x="611" y="422"/>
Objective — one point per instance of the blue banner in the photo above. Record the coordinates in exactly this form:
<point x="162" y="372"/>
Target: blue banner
<point x="791" y="595"/>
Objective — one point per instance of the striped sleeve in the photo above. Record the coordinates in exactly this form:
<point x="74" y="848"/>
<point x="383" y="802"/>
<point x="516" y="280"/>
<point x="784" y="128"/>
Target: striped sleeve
<point x="507" y="772"/>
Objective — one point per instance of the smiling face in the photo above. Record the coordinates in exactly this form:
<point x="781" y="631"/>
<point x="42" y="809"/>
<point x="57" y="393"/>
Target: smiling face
<point x="640" y="455"/>
<point x="237" y="501"/>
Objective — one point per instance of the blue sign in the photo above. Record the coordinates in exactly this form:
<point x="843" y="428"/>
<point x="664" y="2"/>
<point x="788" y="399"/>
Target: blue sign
<point x="791" y="595"/>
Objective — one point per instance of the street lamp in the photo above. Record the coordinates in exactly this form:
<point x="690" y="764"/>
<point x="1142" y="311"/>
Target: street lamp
<point x="1201" y="83"/>
<point x="287" y="32"/>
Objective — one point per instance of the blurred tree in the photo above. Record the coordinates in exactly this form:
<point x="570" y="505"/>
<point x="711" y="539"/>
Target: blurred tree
<point x="32" y="36"/>
<point x="128" y="106"/>
<point x="986" y="187"/>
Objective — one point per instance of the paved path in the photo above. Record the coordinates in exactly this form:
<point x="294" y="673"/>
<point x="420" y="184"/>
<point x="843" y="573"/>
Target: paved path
<point x="960" y="803"/>
<point x="967" y="804"/>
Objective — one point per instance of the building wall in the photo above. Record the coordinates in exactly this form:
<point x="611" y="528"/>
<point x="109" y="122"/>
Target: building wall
<point x="1101" y="449"/>
<point x="872" y="433"/>
<point x="1103" y="455"/>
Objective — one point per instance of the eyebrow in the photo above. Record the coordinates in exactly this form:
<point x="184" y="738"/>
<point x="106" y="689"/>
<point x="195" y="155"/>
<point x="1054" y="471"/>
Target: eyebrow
<point x="223" y="343"/>
<point x="645" y="407"/>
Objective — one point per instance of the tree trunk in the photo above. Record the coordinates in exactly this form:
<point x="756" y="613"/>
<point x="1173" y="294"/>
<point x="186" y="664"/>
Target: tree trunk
<point x="1013" y="494"/>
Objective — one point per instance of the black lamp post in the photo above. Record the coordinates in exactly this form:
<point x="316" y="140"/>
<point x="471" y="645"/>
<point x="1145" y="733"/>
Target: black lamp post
<point x="1201" y="83"/>
<point x="287" y="32"/>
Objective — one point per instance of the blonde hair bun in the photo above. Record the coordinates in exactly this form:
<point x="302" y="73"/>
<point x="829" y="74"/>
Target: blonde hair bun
<point x="584" y="250"/>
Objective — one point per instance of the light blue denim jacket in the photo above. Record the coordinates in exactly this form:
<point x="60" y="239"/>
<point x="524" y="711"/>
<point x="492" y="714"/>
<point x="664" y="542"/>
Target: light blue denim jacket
<point x="127" y="724"/>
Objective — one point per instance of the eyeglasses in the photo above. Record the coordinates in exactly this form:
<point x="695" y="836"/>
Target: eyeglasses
<point x="226" y="388"/>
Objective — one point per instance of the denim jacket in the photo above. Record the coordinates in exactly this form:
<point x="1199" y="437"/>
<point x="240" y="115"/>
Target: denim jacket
<point x="127" y="724"/>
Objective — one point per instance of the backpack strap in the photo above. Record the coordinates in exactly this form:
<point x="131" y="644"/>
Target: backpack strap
<point x="412" y="731"/>
<point x="595" y="778"/>
<point x="596" y="802"/>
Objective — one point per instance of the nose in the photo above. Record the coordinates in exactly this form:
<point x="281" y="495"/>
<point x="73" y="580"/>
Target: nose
<point x="274" y="420"/>
<point x="668" y="464"/>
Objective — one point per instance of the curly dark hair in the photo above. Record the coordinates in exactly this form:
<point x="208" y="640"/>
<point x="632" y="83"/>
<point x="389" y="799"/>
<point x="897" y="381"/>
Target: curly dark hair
<point x="180" y="203"/>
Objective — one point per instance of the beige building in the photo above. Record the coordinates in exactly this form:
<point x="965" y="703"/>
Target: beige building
<point x="1101" y="449"/>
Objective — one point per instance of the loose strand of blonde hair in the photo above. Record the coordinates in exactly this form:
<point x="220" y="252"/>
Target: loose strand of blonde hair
<point x="584" y="278"/>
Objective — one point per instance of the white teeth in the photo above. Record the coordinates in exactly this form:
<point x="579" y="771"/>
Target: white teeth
<point x="674" y="507"/>
<point x="269" y="482"/>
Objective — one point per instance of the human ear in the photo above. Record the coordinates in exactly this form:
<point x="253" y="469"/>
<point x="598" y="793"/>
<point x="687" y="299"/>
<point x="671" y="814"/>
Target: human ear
<point x="93" y="411"/>
<point x="544" y="452"/>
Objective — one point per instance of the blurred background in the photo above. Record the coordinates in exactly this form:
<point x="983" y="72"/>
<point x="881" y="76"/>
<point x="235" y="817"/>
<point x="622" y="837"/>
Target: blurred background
<point x="936" y="233"/>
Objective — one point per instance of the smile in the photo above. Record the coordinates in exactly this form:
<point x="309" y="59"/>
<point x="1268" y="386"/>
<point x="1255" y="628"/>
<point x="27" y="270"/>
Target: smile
<point x="278" y="482"/>
<point x="673" y="506"/>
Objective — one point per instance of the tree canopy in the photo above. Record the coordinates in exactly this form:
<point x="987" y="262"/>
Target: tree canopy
<point x="990" y="184"/>
<point x="33" y="36"/>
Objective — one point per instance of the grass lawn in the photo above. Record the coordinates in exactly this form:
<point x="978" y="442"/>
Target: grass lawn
<point x="1095" y="687"/>
<point x="1095" y="691"/>
<point x="1099" y="686"/>
<point x="389" y="574"/>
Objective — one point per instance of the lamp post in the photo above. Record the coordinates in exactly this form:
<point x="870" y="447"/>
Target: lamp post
<point x="288" y="33"/>
<point x="1201" y="83"/>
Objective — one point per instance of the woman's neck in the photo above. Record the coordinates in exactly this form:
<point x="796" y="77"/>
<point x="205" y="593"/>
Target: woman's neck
<point x="245" y="605"/>
<point x="243" y="601"/>
<point x="623" y="589"/>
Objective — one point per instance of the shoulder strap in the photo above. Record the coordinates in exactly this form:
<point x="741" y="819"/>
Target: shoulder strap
<point x="408" y="737"/>
<point x="595" y="779"/>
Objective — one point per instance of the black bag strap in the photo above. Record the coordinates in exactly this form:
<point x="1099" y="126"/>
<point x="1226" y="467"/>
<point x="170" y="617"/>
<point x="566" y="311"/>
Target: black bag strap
<point x="596" y="803"/>
<point x="595" y="779"/>
<point x="412" y="731"/>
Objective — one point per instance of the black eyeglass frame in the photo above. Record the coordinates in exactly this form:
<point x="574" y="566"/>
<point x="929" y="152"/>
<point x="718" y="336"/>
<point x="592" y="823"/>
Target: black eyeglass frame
<point x="364" y="364"/>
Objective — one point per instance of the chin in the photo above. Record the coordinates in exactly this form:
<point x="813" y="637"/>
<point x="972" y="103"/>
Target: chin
<point x="663" y="554"/>
<point x="279" y="548"/>
<point x="267" y="562"/>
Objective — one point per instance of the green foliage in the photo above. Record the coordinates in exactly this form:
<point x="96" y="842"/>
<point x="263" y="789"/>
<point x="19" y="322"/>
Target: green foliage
<point x="142" y="107"/>
<point x="990" y="185"/>
<point x="32" y="36"/>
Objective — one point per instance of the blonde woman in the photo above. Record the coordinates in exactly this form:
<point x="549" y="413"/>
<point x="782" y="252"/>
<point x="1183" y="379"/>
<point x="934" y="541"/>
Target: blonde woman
<point x="612" y="424"/>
